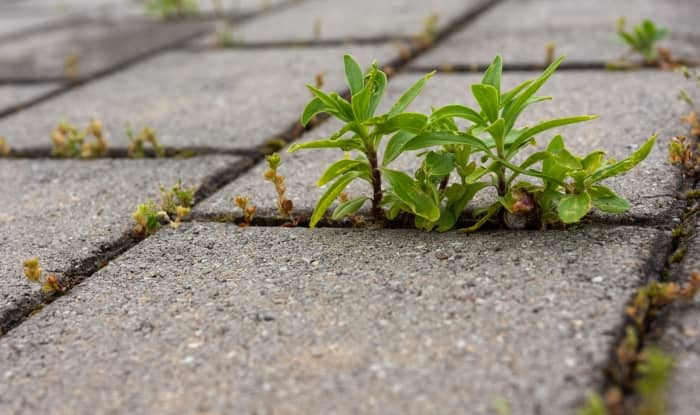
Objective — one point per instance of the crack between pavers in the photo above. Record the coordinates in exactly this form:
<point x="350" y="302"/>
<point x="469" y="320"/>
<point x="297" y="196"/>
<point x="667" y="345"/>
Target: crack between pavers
<point x="660" y="267"/>
<point x="123" y="153"/>
<point x="529" y="67"/>
<point x="306" y="44"/>
<point x="82" y="270"/>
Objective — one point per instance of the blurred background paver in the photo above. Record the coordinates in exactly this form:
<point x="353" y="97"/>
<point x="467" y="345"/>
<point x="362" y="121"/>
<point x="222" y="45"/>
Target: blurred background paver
<point x="632" y="107"/>
<point x="64" y="211"/>
<point x="583" y="30"/>
<point x="217" y="319"/>
<point x="12" y="96"/>
<point x="227" y="99"/>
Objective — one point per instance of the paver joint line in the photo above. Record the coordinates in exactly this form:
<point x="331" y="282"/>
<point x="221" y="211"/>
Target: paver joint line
<point x="213" y="183"/>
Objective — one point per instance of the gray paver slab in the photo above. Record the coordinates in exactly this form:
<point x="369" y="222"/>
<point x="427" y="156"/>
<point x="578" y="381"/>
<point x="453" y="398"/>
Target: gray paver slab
<point x="632" y="106"/>
<point x="14" y="95"/>
<point x="86" y="48"/>
<point x="319" y="20"/>
<point x="218" y="319"/>
<point x="225" y="99"/>
<point x="64" y="211"/>
<point x="583" y="30"/>
<point x="680" y="340"/>
<point x="12" y="25"/>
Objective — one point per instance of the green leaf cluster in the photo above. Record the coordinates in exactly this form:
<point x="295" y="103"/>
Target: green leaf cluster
<point x="164" y="9"/>
<point x="459" y="162"/>
<point x="642" y="37"/>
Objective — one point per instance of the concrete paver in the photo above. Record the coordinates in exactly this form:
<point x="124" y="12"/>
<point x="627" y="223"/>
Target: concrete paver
<point x="87" y="48"/>
<point x="64" y="211"/>
<point x="584" y="31"/>
<point x="323" y="20"/>
<point x="217" y="319"/>
<point x="632" y="106"/>
<point x="225" y="99"/>
<point x="14" y="95"/>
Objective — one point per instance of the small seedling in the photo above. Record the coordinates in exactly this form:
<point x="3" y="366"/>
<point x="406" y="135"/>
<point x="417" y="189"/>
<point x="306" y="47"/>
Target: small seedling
<point x="655" y="295"/>
<point x="70" y="67"/>
<point x="148" y="219"/>
<point x="550" y="49"/>
<point x="176" y="202"/>
<point x="33" y="272"/>
<point x="316" y="28"/>
<point x="99" y="146"/>
<point x="4" y="148"/>
<point x="594" y="406"/>
<point x="136" y="145"/>
<point x="654" y="371"/>
<point x="165" y="9"/>
<point x="248" y="209"/>
<point x="430" y="31"/>
<point x="642" y="38"/>
<point x="284" y="205"/>
<point x="69" y="142"/>
<point x="684" y="153"/>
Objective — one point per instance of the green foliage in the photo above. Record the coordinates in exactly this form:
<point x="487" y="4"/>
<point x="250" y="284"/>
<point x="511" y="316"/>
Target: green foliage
<point x="164" y="9"/>
<point x="654" y="373"/>
<point x="594" y="406"/>
<point x="457" y="163"/>
<point x="175" y="204"/>
<point x="642" y="37"/>
<point x="363" y="133"/>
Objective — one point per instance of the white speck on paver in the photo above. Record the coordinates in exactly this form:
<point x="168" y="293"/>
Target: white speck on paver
<point x="188" y="360"/>
<point x="597" y="280"/>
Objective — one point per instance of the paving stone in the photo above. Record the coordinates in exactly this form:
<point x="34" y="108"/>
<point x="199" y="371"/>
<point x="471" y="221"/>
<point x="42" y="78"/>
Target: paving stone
<point x="92" y="47"/>
<point x="13" y="95"/>
<point x="11" y="26"/>
<point x="680" y="340"/>
<point x="64" y="211"/>
<point x="225" y="99"/>
<point x="342" y="20"/>
<point x="583" y="30"/>
<point x="632" y="107"/>
<point x="218" y="319"/>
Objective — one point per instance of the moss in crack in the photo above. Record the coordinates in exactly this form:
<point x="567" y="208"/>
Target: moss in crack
<point x="175" y="204"/>
<point x="5" y="150"/>
<point x="137" y="142"/>
<point x="70" y="142"/>
<point x="677" y="256"/>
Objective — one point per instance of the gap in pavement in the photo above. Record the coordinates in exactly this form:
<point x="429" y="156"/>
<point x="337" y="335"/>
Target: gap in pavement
<point x="84" y="269"/>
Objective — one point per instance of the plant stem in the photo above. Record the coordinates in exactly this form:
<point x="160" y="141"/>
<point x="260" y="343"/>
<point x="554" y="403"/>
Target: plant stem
<point x="377" y="211"/>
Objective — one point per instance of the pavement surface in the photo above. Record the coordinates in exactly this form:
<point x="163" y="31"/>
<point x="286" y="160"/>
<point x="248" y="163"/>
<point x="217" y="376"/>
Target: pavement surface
<point x="213" y="318"/>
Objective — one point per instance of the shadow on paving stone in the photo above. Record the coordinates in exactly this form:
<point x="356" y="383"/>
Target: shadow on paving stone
<point x="66" y="211"/>
<point x="632" y="107"/>
<point x="225" y="99"/>
<point x="87" y="48"/>
<point x="583" y="30"/>
<point x="219" y="319"/>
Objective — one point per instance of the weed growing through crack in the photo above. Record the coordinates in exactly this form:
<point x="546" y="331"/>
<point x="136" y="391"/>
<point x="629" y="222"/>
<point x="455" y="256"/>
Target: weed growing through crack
<point x="165" y="9"/>
<point x="368" y="131"/>
<point x="243" y="202"/>
<point x="284" y="205"/>
<point x="567" y="188"/>
<point x="643" y="39"/>
<point x="654" y="371"/>
<point x="175" y="204"/>
<point x="137" y="143"/>
<point x="4" y="148"/>
<point x="70" y="142"/>
<point x="33" y="272"/>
